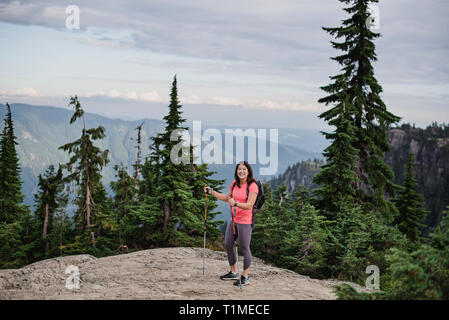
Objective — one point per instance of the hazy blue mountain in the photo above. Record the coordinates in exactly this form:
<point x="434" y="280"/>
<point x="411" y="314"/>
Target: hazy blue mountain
<point x="41" y="130"/>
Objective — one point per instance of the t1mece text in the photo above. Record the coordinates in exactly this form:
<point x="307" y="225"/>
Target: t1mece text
<point x="243" y="309"/>
<point x="247" y="309"/>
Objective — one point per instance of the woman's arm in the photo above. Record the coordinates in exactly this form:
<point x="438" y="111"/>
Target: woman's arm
<point x="245" y="206"/>
<point x="218" y="195"/>
<point x="221" y="196"/>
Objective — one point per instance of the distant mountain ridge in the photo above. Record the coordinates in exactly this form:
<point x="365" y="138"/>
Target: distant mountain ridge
<point x="41" y="130"/>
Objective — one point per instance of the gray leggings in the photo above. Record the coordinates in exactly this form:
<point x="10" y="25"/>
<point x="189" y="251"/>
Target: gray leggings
<point x="243" y="235"/>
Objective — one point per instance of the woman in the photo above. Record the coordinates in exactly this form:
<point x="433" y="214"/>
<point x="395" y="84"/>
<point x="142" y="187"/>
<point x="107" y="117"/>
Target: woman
<point x="243" y="206"/>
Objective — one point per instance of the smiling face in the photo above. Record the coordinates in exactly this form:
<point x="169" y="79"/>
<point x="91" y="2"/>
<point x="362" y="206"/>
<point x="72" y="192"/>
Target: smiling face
<point x="242" y="172"/>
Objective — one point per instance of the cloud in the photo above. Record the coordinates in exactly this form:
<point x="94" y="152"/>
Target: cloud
<point x="33" y="13"/>
<point x="150" y="96"/>
<point x="279" y="38"/>
<point x="269" y="36"/>
<point x="22" y="92"/>
<point x="153" y="96"/>
<point x="273" y="50"/>
<point x="264" y="104"/>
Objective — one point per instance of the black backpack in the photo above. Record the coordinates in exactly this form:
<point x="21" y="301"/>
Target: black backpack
<point x="260" y="200"/>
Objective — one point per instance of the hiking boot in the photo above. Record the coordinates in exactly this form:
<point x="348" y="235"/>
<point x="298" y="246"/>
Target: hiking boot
<point x="243" y="281"/>
<point x="229" y="276"/>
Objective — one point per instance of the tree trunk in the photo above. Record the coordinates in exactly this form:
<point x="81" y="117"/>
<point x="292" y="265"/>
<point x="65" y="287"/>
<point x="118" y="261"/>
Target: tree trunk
<point x="166" y="214"/>
<point x="136" y="173"/>
<point x="87" y="204"/>
<point x="92" y="238"/>
<point x="358" y="174"/>
<point x="44" y="231"/>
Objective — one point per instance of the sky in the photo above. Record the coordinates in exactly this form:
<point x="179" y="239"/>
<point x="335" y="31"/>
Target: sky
<point x="238" y="62"/>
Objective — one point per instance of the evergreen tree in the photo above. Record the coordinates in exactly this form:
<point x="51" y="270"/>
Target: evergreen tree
<point x="124" y="192"/>
<point x="271" y="225"/>
<point x="137" y="165"/>
<point x="367" y="112"/>
<point x="303" y="248"/>
<point x="281" y="196"/>
<point x="301" y="199"/>
<point x="337" y="177"/>
<point x="148" y="181"/>
<point x="360" y="239"/>
<point x="201" y="176"/>
<point x="290" y="233"/>
<point x="267" y="191"/>
<point x="15" y="223"/>
<point x="140" y="226"/>
<point x="171" y="211"/>
<point x="61" y="234"/>
<point x="11" y="196"/>
<point x="48" y="200"/>
<point x="172" y="188"/>
<point x="418" y="275"/>
<point x="91" y="200"/>
<point x="268" y="233"/>
<point x="11" y="255"/>
<point x="410" y="205"/>
<point x="106" y="240"/>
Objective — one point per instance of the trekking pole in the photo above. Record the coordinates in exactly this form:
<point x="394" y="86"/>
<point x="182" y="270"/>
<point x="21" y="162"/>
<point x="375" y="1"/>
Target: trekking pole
<point x="235" y="246"/>
<point x="205" y="229"/>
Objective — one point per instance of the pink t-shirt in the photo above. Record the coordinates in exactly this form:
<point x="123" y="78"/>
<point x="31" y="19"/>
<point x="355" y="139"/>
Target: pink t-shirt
<point x="239" y="194"/>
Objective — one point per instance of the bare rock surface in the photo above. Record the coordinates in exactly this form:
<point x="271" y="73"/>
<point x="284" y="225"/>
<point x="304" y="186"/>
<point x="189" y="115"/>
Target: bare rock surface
<point x="165" y="273"/>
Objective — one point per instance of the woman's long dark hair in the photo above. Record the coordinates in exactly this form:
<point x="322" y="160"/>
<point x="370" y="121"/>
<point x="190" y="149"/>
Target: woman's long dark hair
<point x="249" y="179"/>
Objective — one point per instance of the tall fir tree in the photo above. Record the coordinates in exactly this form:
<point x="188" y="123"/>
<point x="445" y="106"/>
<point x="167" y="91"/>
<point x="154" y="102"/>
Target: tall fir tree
<point x="410" y="205"/>
<point x="337" y="177"/>
<point x="171" y="212"/>
<point x="15" y="221"/>
<point x="94" y="211"/>
<point x="369" y="114"/>
<point x="11" y="197"/>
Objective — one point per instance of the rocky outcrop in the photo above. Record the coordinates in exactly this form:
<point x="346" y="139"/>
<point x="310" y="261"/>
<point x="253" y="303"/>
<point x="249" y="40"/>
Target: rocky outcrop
<point x="431" y="152"/>
<point x="301" y="173"/>
<point x="166" y="273"/>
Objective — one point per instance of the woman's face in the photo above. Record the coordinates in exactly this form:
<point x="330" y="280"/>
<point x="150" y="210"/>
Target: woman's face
<point x="242" y="172"/>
